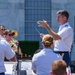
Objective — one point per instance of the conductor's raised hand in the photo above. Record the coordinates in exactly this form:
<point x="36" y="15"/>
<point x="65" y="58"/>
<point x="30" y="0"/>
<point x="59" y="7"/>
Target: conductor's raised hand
<point x="43" y="23"/>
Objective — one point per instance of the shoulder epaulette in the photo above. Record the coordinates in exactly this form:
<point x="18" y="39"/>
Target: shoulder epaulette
<point x="66" y="25"/>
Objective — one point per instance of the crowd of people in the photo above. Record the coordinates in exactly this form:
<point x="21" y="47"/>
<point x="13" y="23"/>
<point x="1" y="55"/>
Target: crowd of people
<point x="47" y="61"/>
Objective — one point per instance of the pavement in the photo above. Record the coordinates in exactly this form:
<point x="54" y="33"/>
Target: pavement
<point x="24" y="68"/>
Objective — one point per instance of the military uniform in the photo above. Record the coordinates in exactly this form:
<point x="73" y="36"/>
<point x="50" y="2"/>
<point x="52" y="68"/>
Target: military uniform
<point x="63" y="46"/>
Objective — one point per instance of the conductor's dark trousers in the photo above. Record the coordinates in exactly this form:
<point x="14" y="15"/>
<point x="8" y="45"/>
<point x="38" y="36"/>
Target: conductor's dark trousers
<point x="65" y="57"/>
<point x="2" y="73"/>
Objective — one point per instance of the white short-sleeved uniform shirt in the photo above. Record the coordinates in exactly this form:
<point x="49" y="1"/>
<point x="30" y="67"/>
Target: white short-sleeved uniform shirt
<point x="5" y="51"/>
<point x="42" y="61"/>
<point x="66" y="34"/>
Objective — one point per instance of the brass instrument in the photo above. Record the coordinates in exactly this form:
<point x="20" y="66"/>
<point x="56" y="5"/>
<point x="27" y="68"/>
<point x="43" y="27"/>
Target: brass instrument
<point x="14" y="43"/>
<point x="14" y="33"/>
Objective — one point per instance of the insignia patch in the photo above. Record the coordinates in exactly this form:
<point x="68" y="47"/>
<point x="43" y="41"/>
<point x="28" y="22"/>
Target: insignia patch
<point x="66" y="25"/>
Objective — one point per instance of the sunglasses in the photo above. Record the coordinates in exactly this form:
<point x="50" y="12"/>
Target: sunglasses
<point x="2" y="29"/>
<point x="9" y="34"/>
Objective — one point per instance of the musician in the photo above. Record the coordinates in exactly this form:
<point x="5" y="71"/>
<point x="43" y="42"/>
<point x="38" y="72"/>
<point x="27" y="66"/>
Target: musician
<point x="5" y="52"/>
<point x="8" y="34"/>
<point x="2" y="29"/>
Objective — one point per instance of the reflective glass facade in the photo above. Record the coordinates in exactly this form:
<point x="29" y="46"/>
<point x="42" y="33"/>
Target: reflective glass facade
<point x="36" y="10"/>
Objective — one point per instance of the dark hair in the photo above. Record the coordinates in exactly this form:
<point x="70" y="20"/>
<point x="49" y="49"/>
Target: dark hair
<point x="63" y="13"/>
<point x="2" y="26"/>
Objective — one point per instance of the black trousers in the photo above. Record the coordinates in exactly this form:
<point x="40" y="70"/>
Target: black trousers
<point x="65" y="57"/>
<point x="2" y="73"/>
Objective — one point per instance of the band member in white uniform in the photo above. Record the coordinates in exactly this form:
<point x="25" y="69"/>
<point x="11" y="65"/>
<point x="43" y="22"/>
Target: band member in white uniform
<point x="42" y="61"/>
<point x="5" y="51"/>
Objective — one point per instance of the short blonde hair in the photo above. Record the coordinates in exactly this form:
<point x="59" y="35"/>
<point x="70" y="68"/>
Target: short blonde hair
<point x="47" y="40"/>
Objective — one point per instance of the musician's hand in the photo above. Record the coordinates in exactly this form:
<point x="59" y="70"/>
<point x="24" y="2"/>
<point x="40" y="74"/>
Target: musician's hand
<point x="16" y="42"/>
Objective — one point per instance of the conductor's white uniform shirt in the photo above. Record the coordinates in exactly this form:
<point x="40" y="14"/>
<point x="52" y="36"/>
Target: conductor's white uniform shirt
<point x="42" y="61"/>
<point x="66" y="34"/>
<point x="5" y="51"/>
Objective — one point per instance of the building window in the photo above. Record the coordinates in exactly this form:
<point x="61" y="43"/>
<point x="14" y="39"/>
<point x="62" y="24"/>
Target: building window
<point x="36" y="10"/>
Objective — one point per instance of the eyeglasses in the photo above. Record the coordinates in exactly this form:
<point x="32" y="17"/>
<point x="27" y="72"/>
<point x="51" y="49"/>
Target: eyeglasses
<point x="2" y="29"/>
<point x="9" y="34"/>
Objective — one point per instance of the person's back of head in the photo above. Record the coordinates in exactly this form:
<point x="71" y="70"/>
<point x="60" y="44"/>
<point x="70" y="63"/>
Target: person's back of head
<point x="59" y="67"/>
<point x="47" y="41"/>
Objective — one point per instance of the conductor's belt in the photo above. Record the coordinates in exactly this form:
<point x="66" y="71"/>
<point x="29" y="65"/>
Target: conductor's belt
<point x="1" y="73"/>
<point x="61" y="52"/>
